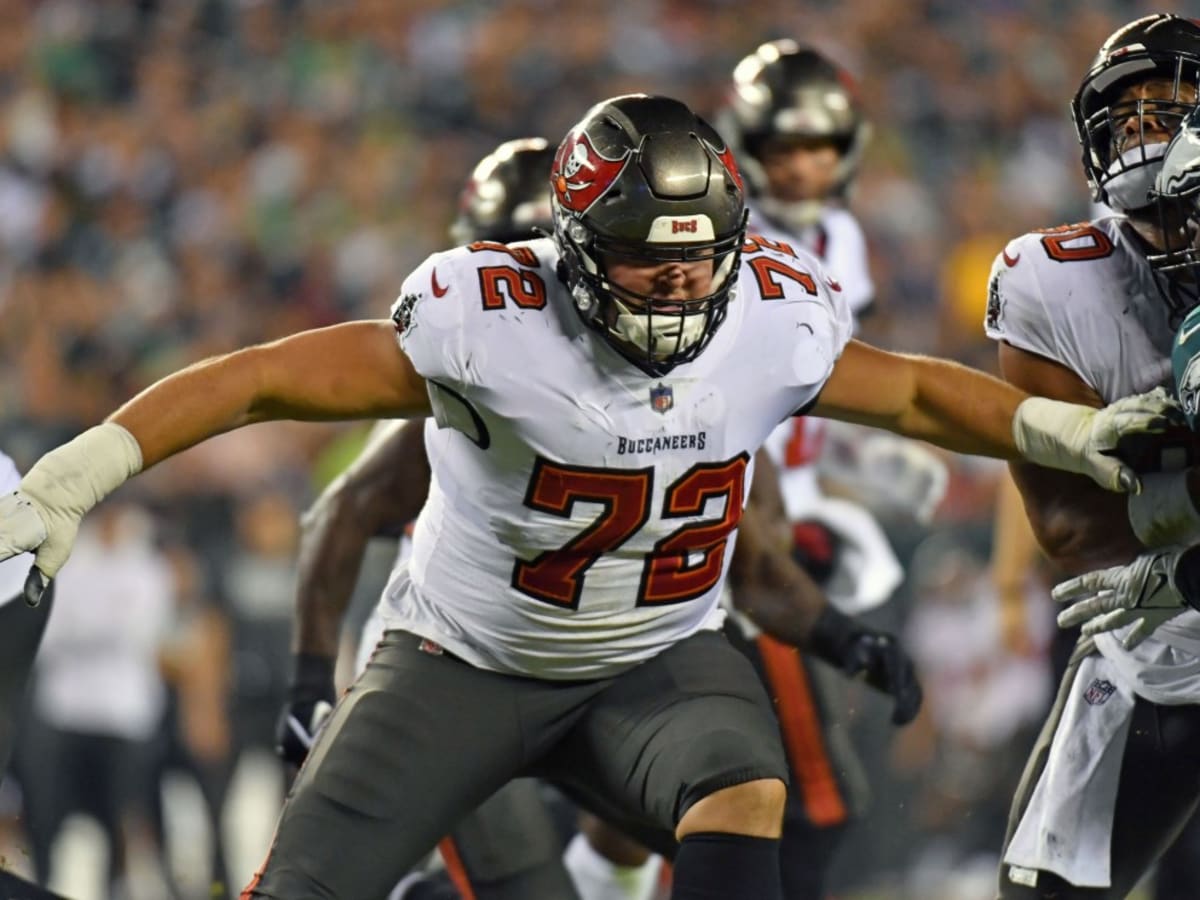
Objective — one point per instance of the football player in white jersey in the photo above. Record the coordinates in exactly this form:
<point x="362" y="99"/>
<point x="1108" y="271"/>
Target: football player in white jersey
<point x="506" y="197"/>
<point x="598" y="399"/>
<point x="1081" y="315"/>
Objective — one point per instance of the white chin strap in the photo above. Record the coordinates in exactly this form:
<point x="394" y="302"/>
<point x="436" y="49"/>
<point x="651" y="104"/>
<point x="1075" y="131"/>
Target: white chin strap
<point x="1131" y="176"/>
<point x="663" y="334"/>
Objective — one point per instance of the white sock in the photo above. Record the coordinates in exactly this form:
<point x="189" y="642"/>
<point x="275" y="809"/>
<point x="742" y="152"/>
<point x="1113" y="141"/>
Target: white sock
<point x="597" y="878"/>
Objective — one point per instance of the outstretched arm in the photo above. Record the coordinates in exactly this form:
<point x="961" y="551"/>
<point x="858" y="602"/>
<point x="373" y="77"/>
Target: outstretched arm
<point x="934" y="400"/>
<point x="350" y="371"/>
<point x="968" y="411"/>
<point x="347" y="371"/>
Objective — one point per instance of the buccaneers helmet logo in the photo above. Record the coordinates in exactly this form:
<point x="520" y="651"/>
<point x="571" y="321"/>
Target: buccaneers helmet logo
<point x="581" y="174"/>
<point x="727" y="160"/>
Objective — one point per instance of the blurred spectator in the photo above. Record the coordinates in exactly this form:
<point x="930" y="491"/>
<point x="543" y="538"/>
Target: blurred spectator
<point x="99" y="696"/>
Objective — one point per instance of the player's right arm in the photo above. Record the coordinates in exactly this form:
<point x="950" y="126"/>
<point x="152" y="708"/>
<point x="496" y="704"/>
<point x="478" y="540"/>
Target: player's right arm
<point x="356" y="370"/>
<point x="350" y="371"/>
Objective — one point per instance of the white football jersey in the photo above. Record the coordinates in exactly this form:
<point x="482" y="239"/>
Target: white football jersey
<point x="14" y="570"/>
<point x="581" y="513"/>
<point x="1084" y="296"/>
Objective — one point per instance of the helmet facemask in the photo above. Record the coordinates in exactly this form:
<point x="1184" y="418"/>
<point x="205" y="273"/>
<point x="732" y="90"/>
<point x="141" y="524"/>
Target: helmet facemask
<point x="640" y="183"/>
<point x="1119" y="163"/>
<point x="1126" y="164"/>
<point x="653" y="333"/>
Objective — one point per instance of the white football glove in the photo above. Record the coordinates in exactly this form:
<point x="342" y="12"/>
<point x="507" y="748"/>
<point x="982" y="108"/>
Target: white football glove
<point x="43" y="514"/>
<point x="1142" y="593"/>
<point x="1082" y="439"/>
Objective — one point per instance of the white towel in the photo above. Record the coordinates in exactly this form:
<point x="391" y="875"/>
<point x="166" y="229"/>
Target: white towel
<point x="1067" y="826"/>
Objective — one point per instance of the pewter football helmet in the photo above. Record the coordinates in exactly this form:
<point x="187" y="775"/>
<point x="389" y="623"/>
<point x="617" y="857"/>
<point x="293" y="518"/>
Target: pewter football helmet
<point x="1158" y="46"/>
<point x="507" y="197"/>
<point x="644" y="178"/>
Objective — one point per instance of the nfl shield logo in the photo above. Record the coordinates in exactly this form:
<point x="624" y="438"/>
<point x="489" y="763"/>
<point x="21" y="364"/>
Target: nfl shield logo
<point x="662" y="397"/>
<point x="1099" y="691"/>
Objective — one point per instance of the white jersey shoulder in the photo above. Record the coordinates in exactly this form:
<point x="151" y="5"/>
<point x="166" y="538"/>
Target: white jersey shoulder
<point x="12" y="571"/>
<point x="837" y="240"/>
<point x="457" y="300"/>
<point x="1085" y="297"/>
<point x="581" y="512"/>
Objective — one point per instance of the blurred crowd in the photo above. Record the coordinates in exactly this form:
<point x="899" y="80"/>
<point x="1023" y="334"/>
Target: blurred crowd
<point x="181" y="178"/>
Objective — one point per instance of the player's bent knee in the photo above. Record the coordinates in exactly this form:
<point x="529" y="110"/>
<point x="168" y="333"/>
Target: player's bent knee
<point x="753" y="808"/>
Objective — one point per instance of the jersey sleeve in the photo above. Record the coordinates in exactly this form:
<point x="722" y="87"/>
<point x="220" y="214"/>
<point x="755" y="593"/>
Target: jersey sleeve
<point x="1016" y="310"/>
<point x="806" y="308"/>
<point x="429" y="318"/>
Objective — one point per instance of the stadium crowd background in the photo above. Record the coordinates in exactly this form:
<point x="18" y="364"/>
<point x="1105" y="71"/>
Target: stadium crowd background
<point x="181" y="178"/>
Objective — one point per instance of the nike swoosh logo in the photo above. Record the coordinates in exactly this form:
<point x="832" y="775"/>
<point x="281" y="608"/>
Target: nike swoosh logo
<point x="438" y="290"/>
<point x="1010" y="261"/>
<point x="1187" y="333"/>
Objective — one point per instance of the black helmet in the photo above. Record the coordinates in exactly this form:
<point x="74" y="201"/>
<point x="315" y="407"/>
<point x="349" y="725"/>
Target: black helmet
<point x="1177" y="191"/>
<point x="1162" y="46"/>
<point x="508" y="194"/>
<point x="646" y="179"/>
<point x="784" y="89"/>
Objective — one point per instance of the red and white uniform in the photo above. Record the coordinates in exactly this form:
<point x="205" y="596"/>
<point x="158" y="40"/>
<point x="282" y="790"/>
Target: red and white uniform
<point x="1084" y="296"/>
<point x="524" y="564"/>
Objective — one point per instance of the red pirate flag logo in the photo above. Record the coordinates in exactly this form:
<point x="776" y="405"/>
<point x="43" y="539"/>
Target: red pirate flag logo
<point x="581" y="175"/>
<point x="727" y="160"/>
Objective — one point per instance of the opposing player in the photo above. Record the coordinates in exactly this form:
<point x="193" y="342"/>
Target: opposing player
<point x="559" y="616"/>
<point x="1080" y="315"/>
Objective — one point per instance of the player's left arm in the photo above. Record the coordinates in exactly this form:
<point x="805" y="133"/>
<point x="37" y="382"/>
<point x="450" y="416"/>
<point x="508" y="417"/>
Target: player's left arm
<point x="969" y="411"/>
<point x="775" y="593"/>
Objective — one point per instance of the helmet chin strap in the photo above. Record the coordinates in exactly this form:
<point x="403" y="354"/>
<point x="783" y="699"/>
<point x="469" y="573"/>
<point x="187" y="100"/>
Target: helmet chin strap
<point x="1131" y="177"/>
<point x="662" y="334"/>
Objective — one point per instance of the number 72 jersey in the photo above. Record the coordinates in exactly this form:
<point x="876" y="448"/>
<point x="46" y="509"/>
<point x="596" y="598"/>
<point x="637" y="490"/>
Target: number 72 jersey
<point x="582" y="513"/>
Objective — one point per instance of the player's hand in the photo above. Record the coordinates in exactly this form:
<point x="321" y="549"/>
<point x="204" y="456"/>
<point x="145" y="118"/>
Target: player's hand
<point x="1142" y="594"/>
<point x="875" y="656"/>
<point x="310" y="701"/>
<point x="23" y="529"/>
<point x="1085" y="440"/>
